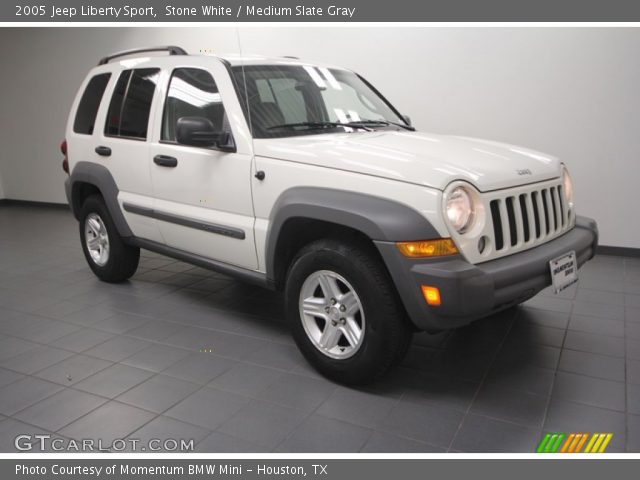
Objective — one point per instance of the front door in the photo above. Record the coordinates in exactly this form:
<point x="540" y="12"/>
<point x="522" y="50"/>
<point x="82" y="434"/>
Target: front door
<point x="203" y="201"/>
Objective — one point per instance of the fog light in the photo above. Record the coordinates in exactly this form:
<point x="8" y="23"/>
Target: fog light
<point x="431" y="295"/>
<point x="428" y="248"/>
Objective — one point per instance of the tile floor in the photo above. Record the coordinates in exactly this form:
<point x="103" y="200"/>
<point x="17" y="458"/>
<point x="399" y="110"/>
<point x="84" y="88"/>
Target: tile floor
<point x="84" y="359"/>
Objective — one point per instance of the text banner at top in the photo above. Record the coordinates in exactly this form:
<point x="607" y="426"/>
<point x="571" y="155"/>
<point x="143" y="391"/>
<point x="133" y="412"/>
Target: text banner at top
<point x="137" y="11"/>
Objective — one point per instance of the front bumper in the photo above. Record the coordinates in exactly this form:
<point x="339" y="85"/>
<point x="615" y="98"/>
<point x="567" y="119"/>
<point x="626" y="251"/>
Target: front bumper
<point x="468" y="291"/>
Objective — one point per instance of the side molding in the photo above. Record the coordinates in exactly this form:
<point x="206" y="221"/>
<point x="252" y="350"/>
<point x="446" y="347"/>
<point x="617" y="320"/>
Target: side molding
<point x="185" y="222"/>
<point x="98" y="176"/>
<point x="378" y="218"/>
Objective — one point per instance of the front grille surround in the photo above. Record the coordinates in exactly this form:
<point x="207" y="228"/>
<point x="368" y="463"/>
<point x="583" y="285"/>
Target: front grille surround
<point x="517" y="219"/>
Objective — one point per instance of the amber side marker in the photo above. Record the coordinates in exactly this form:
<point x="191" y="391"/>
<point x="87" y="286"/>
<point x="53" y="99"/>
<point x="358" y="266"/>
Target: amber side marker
<point x="428" y="248"/>
<point x="431" y="295"/>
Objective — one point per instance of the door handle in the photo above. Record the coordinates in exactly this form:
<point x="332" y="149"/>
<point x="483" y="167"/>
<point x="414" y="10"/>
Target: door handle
<point x="103" y="151"/>
<point x="165" y="161"/>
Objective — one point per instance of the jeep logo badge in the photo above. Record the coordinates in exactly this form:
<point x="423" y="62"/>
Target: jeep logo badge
<point x="524" y="171"/>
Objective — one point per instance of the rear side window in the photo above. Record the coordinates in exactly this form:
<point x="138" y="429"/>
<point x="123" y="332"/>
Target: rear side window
<point x="130" y="105"/>
<point x="192" y="92"/>
<point x="115" y="107"/>
<point x="89" y="103"/>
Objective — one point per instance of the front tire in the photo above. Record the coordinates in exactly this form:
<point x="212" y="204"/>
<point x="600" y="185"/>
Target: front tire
<point x="107" y="255"/>
<point x="344" y="312"/>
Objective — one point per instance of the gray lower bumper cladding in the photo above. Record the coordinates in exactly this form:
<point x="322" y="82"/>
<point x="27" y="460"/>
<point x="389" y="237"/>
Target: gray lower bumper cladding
<point x="469" y="291"/>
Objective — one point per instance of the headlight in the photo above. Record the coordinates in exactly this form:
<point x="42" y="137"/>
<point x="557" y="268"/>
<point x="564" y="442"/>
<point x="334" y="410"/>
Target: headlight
<point x="460" y="209"/>
<point x="567" y="186"/>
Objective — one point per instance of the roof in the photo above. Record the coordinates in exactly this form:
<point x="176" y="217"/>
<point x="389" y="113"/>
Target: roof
<point x="233" y="59"/>
<point x="237" y="60"/>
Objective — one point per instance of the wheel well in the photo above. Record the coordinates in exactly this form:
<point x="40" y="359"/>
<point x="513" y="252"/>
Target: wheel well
<point x="298" y="232"/>
<point x="80" y="192"/>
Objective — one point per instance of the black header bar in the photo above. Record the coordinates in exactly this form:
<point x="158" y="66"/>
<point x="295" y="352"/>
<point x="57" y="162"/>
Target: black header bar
<point x="128" y="11"/>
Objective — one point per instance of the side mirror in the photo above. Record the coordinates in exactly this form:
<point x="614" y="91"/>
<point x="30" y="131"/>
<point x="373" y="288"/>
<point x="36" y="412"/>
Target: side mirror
<point x="407" y="119"/>
<point x="200" y="132"/>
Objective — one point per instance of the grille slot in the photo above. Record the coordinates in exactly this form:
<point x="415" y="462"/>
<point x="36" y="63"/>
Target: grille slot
<point x="563" y="219"/>
<point x="545" y="206"/>
<point x="536" y="213"/>
<point x="513" y="229"/>
<point x="529" y="218"/>
<point x="525" y="217"/>
<point x="497" y="225"/>
<point x="555" y="208"/>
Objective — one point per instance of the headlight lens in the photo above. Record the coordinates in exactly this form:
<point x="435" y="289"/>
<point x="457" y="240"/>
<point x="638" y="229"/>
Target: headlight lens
<point x="460" y="209"/>
<point x="567" y="186"/>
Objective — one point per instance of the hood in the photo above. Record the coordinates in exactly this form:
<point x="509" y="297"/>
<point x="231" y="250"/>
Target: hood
<point x="415" y="157"/>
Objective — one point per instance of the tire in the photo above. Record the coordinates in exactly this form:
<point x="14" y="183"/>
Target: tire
<point x="366" y="300"/>
<point x="110" y="258"/>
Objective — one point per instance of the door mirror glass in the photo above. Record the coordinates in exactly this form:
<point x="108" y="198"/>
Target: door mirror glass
<point x="200" y="132"/>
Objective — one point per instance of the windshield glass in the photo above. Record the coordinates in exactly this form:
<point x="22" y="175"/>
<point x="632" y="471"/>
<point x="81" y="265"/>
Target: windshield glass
<point x="287" y="100"/>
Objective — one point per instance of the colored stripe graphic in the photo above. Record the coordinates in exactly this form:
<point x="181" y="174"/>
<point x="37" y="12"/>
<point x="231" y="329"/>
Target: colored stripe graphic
<point x="550" y="443"/>
<point x="590" y="444"/>
<point x="556" y="442"/>
<point x="581" y="443"/>
<point x="605" y="443"/>
<point x="574" y="443"/>
<point x="568" y="444"/>
<point x="598" y="443"/>
<point x="543" y="443"/>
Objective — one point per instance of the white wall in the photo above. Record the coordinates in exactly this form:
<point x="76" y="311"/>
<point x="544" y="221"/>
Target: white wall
<point x="572" y="92"/>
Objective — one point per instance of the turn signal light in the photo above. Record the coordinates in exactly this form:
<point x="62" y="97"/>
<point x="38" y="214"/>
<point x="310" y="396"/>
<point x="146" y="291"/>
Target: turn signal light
<point x="428" y="248"/>
<point x="431" y="295"/>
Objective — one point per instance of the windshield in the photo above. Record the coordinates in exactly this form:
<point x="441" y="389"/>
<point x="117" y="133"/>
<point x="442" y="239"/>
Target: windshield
<point x="287" y="100"/>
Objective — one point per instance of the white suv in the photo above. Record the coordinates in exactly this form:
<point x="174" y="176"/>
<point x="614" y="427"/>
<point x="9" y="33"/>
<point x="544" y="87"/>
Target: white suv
<point x="303" y="178"/>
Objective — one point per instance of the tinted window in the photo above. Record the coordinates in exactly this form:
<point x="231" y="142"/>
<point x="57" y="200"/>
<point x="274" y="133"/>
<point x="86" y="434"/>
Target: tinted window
<point x="115" y="107"/>
<point x="290" y="100"/>
<point x="89" y="104"/>
<point x="287" y="100"/>
<point x="192" y="93"/>
<point x="131" y="103"/>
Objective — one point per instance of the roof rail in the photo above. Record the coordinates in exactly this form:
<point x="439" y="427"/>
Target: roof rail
<point x="169" y="48"/>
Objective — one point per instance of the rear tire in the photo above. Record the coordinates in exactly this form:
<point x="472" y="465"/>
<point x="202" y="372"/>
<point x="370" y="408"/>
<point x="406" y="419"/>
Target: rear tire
<point x="344" y="312"/>
<point x="107" y="255"/>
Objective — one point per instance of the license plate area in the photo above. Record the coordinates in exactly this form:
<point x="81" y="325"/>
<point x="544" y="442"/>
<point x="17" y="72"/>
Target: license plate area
<point x="564" y="271"/>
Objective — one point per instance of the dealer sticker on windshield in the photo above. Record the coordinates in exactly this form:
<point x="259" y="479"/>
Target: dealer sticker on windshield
<point x="564" y="271"/>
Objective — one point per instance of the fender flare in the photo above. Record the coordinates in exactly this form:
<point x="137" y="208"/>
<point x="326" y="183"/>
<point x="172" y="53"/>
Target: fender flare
<point x="378" y="218"/>
<point x="100" y="177"/>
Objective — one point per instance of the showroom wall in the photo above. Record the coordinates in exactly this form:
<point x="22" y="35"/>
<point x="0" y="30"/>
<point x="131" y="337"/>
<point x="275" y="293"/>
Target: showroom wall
<point x="572" y="92"/>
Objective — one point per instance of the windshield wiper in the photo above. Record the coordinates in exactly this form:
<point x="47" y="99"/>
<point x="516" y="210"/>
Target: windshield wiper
<point x="322" y="125"/>
<point x="386" y="122"/>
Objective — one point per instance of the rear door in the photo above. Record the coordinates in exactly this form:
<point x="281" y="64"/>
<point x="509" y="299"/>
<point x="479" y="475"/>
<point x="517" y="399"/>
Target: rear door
<point x="122" y="145"/>
<point x="203" y="202"/>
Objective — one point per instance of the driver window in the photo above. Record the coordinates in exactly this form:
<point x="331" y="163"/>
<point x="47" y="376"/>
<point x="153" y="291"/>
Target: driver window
<point x="192" y="93"/>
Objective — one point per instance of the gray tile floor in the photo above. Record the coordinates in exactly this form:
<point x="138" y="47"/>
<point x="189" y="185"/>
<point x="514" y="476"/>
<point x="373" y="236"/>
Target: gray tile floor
<point x="180" y="352"/>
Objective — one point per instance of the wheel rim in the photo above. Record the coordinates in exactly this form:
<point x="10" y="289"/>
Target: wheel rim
<point x="332" y="314"/>
<point x="96" y="239"/>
